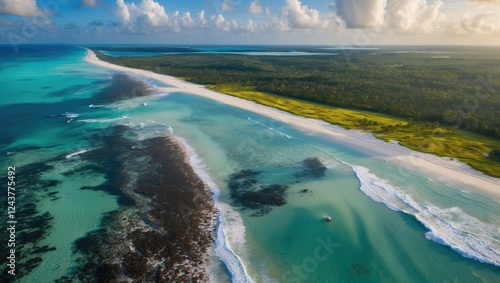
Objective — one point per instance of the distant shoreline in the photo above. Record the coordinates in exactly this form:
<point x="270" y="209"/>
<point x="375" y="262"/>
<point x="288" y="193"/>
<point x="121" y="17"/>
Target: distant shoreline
<point x="439" y="168"/>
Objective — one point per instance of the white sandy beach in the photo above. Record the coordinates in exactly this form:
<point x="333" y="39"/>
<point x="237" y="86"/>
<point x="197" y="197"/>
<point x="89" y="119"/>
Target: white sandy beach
<point x="435" y="167"/>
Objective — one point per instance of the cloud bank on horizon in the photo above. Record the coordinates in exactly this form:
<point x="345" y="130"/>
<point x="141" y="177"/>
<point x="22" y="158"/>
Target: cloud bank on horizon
<point x="293" y="20"/>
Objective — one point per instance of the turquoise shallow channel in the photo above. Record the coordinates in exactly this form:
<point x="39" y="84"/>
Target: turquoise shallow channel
<point x="274" y="185"/>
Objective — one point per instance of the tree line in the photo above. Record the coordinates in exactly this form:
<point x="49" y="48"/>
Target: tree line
<point x="461" y="92"/>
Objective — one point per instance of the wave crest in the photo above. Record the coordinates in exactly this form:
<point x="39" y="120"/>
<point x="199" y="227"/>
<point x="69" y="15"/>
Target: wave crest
<point x="451" y="226"/>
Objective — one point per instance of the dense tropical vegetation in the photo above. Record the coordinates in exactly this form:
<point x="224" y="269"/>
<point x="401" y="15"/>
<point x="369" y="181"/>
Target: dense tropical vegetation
<point x="462" y="92"/>
<point x="424" y="103"/>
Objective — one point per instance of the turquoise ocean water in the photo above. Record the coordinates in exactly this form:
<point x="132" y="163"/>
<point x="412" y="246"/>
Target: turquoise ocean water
<point x="388" y="224"/>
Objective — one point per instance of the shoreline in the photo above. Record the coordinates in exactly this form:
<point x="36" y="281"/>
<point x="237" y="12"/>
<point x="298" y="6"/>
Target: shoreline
<point x="440" y="168"/>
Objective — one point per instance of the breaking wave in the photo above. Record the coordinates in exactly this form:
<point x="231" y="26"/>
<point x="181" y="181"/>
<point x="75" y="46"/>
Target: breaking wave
<point x="450" y="226"/>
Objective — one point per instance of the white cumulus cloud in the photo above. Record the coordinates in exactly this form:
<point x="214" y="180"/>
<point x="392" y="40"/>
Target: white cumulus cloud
<point x="122" y="11"/>
<point x="361" y="13"/>
<point x="201" y="18"/>
<point x="25" y="8"/>
<point x="480" y="23"/>
<point x="225" y="6"/>
<point x="415" y="16"/>
<point x="255" y="8"/>
<point x="146" y="12"/>
<point x="248" y="27"/>
<point x="178" y="21"/>
<point x="149" y="16"/>
<point x="297" y="16"/>
<point x="393" y="16"/>
<point x="221" y="24"/>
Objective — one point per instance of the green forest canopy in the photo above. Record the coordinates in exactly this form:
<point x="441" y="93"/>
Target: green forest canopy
<point x="461" y="92"/>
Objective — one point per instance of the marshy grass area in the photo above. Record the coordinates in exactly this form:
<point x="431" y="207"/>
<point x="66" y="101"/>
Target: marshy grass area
<point x="433" y="138"/>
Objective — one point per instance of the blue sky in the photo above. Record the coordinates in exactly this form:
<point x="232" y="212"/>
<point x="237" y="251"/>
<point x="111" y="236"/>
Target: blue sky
<point x="329" y="22"/>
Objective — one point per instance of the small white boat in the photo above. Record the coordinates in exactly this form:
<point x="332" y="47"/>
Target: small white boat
<point x="328" y="218"/>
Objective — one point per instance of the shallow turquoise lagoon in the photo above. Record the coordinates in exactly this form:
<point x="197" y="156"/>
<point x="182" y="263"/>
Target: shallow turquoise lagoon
<point x="388" y="224"/>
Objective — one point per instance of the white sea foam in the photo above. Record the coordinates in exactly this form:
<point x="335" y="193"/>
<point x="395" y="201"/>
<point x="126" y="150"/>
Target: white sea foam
<point x="451" y="226"/>
<point x="230" y="228"/>
<point x="380" y="190"/>
<point x="79" y="152"/>
<point x="161" y="94"/>
<point x="223" y="248"/>
<point x="330" y="163"/>
<point x="102" y="120"/>
<point x="70" y="115"/>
